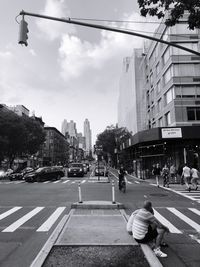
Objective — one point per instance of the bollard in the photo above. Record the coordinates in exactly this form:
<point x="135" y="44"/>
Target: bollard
<point x="79" y="193"/>
<point x="113" y="192"/>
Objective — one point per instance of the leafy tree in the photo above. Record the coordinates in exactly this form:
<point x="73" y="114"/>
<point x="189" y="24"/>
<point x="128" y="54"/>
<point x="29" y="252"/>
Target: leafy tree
<point x="19" y="136"/>
<point x="111" y="139"/>
<point x="176" y="10"/>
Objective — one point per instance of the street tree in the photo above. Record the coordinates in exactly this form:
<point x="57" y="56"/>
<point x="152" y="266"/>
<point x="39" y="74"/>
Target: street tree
<point x="176" y="9"/>
<point x="19" y="136"/>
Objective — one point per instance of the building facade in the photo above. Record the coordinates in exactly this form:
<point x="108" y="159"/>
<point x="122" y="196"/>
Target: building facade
<point x="88" y="136"/>
<point x="166" y="112"/>
<point x="56" y="148"/>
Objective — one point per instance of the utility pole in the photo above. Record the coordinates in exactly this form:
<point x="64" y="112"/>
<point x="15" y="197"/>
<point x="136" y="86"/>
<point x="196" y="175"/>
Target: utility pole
<point x="97" y="26"/>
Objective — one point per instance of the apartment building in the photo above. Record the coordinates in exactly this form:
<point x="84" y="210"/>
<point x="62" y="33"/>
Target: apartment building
<point x="165" y="84"/>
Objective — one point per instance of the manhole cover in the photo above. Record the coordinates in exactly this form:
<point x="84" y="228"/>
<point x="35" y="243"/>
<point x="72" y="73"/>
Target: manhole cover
<point x="158" y="195"/>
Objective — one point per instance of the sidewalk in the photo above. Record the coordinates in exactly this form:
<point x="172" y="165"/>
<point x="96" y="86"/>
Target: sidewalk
<point x="95" y="236"/>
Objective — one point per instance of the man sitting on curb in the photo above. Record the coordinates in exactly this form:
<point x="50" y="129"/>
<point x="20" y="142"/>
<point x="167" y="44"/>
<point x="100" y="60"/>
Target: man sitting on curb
<point x="146" y="228"/>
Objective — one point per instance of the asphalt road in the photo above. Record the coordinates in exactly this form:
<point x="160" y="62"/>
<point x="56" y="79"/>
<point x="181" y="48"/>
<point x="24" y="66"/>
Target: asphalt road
<point x="30" y="212"/>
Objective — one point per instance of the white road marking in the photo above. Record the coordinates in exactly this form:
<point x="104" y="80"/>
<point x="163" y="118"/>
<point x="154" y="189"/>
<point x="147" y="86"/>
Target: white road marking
<point x="56" y="182"/>
<point x="19" y="182"/>
<point x="46" y="182"/>
<point x="51" y="220"/>
<point x="7" y="213"/>
<point x="195" y="211"/>
<point x="66" y="181"/>
<point x="193" y="224"/>
<point x="22" y="220"/>
<point x="136" y="182"/>
<point x="83" y="181"/>
<point x="164" y="221"/>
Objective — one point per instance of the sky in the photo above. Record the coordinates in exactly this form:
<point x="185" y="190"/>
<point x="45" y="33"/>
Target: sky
<point x="67" y="71"/>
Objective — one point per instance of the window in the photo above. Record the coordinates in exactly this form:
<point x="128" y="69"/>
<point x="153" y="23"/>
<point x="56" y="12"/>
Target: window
<point x="160" y="122"/>
<point x="157" y="69"/>
<point x="158" y="87"/>
<point x="176" y="51"/>
<point x="182" y="69"/>
<point x="152" y="96"/>
<point x="166" y="56"/>
<point x="167" y="76"/>
<point x="168" y="118"/>
<point x="193" y="113"/>
<point x="182" y="28"/>
<point x="159" y="105"/>
<point x="169" y="96"/>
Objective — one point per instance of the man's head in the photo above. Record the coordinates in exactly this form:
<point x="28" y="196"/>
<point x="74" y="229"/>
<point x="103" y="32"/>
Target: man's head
<point x="148" y="206"/>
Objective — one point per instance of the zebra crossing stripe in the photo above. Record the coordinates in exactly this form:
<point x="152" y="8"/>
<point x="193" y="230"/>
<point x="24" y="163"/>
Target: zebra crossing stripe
<point x="56" y="182"/>
<point x="193" y="224"/>
<point x="195" y="211"/>
<point x="22" y="220"/>
<point x="8" y="212"/>
<point x="83" y="181"/>
<point x="164" y="221"/>
<point x="51" y="220"/>
<point x="46" y="182"/>
<point x="65" y="181"/>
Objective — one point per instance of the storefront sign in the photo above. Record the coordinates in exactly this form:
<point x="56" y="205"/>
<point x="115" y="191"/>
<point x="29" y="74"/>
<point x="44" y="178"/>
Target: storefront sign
<point x="171" y="133"/>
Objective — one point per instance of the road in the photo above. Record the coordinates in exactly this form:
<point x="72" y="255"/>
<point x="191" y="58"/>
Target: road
<point x="30" y="212"/>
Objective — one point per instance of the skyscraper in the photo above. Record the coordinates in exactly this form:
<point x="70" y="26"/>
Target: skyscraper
<point x="88" y="136"/>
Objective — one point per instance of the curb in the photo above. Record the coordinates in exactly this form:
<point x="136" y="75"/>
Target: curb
<point x="44" y="252"/>
<point x="97" y="205"/>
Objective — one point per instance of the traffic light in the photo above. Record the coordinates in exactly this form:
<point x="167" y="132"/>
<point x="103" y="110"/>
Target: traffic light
<point x="23" y="32"/>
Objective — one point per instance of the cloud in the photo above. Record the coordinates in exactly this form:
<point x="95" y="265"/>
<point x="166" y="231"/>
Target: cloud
<point x="53" y="30"/>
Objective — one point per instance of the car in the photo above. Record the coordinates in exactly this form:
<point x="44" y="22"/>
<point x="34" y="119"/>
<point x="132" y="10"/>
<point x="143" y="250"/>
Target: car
<point x="88" y="166"/>
<point x="101" y="171"/>
<point x="76" y="169"/>
<point x="5" y="174"/>
<point x="44" y="174"/>
<point x="19" y="175"/>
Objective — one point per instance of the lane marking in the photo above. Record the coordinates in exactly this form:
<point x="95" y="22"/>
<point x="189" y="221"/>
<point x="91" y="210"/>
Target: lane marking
<point x="83" y="181"/>
<point x="164" y="221"/>
<point x="66" y="181"/>
<point x="7" y="213"/>
<point x="193" y="224"/>
<point x="51" y="220"/>
<point x="46" y="182"/>
<point x="195" y="211"/>
<point x="56" y="182"/>
<point x="22" y="220"/>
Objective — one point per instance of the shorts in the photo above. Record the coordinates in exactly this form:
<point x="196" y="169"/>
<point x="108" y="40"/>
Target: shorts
<point x="150" y="235"/>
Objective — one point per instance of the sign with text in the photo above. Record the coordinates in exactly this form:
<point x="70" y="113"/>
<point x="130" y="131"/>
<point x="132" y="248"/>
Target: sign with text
<point x="171" y="133"/>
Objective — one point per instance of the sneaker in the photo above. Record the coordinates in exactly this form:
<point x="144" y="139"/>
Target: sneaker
<point x="159" y="253"/>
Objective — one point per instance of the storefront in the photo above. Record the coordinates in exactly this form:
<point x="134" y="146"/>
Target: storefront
<point x="175" y="145"/>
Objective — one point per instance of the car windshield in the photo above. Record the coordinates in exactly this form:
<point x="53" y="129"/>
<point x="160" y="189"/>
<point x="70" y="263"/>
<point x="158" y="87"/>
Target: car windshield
<point x="40" y="169"/>
<point x="79" y="165"/>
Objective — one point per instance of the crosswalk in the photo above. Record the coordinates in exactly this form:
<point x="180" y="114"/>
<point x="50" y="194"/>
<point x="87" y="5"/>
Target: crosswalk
<point x="42" y="219"/>
<point x="62" y="181"/>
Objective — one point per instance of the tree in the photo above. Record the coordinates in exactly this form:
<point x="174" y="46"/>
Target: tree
<point x="111" y="139"/>
<point x="19" y="136"/>
<point x="176" y="10"/>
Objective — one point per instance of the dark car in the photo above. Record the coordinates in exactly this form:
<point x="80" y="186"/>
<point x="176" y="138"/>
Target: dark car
<point x="101" y="171"/>
<point x="76" y="169"/>
<point x="19" y="175"/>
<point x="44" y="174"/>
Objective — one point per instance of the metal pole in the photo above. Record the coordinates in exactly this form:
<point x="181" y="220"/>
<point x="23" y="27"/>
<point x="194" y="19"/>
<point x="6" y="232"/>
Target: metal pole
<point x="97" y="26"/>
<point x="79" y="193"/>
<point x="113" y="192"/>
<point x="98" y="169"/>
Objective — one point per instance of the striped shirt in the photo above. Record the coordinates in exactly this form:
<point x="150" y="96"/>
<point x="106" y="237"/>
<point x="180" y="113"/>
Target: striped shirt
<point x="142" y="219"/>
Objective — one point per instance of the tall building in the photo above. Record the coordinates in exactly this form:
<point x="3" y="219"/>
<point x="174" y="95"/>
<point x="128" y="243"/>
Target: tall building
<point x="163" y="113"/>
<point x="88" y="136"/>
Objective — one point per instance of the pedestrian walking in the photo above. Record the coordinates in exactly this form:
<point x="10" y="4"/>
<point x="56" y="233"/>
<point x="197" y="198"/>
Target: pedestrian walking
<point x="195" y="177"/>
<point x="165" y="175"/>
<point x="121" y="175"/>
<point x="186" y="176"/>
<point x="173" y="173"/>
<point x="145" y="228"/>
<point x="157" y="172"/>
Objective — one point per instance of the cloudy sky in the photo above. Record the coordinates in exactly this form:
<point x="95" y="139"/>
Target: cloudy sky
<point x="67" y="71"/>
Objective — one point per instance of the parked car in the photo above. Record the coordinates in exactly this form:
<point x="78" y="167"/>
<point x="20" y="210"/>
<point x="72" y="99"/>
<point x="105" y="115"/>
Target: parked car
<point x="101" y="171"/>
<point x="76" y="169"/>
<point x="44" y="174"/>
<point x="19" y="175"/>
<point x="5" y="174"/>
<point x="88" y="166"/>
